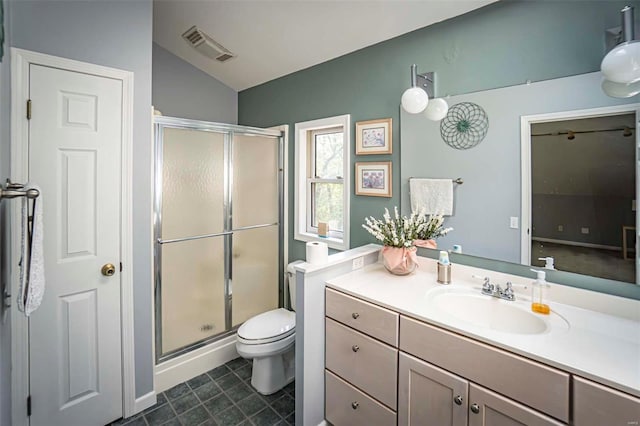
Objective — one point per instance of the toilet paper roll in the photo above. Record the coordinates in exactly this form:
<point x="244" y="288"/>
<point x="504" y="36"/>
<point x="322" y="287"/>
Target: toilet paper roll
<point x="317" y="253"/>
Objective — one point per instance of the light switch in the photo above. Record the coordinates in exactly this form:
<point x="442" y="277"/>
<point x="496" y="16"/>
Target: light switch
<point x="358" y="263"/>
<point x="514" y="222"/>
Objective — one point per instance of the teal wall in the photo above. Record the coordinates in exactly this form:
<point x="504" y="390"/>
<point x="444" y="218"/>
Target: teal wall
<point x="502" y="44"/>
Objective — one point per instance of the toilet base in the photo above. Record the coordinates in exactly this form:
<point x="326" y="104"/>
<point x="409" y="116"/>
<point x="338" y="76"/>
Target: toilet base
<point x="272" y="373"/>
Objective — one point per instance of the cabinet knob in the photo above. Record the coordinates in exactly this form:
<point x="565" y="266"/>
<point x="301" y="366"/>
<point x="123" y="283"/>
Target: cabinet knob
<point x="458" y="399"/>
<point x="355" y="348"/>
<point x="355" y="405"/>
<point x="355" y="315"/>
<point x="475" y="408"/>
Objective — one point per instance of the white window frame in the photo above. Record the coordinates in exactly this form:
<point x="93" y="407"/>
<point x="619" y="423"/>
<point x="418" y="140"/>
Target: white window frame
<point x="303" y="169"/>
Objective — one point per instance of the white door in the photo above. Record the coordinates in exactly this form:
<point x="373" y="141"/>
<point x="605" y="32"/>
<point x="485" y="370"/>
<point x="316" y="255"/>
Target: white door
<point x="75" y="137"/>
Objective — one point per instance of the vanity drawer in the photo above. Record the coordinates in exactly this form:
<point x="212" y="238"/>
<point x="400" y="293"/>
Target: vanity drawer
<point x="536" y="385"/>
<point x="346" y="405"/>
<point x="362" y="361"/>
<point x="595" y="405"/>
<point x="373" y="320"/>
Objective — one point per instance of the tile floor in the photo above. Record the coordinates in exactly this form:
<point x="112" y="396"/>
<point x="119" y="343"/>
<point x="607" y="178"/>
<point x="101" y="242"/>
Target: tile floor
<point x="222" y="396"/>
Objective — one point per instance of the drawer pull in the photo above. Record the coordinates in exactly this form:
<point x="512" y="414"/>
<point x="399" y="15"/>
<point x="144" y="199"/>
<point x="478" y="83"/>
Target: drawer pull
<point x="355" y="315"/>
<point x="355" y="405"/>
<point x="458" y="400"/>
<point x="355" y="348"/>
<point x="475" y="408"/>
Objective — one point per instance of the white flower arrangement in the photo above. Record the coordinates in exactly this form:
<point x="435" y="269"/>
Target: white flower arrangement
<point x="402" y="231"/>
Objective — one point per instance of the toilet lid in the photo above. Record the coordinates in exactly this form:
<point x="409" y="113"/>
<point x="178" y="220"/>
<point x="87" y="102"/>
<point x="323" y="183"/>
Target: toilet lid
<point x="275" y="323"/>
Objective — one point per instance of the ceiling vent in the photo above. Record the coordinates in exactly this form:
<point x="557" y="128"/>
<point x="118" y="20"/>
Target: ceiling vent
<point x="206" y="45"/>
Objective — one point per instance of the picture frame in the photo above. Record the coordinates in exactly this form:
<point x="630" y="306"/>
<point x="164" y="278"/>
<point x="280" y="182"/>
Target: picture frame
<point x="374" y="179"/>
<point x="374" y="137"/>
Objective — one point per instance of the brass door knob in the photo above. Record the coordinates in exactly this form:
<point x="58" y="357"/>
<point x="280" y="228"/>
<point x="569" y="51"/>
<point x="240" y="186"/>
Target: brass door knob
<point x="108" y="270"/>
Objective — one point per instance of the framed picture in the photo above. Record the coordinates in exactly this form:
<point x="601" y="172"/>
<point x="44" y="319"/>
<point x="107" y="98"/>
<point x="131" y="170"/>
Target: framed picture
<point x="373" y="137"/>
<point x="373" y="179"/>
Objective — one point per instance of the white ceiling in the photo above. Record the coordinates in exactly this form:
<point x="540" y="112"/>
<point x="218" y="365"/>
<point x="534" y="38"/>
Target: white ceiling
<point x="275" y="38"/>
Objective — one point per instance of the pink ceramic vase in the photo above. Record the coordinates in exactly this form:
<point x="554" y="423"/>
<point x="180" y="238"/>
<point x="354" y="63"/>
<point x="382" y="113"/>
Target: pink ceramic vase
<point x="399" y="260"/>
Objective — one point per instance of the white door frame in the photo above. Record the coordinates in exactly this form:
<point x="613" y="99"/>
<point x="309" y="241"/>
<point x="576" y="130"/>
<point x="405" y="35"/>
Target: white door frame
<point x="525" y="149"/>
<point x="21" y="60"/>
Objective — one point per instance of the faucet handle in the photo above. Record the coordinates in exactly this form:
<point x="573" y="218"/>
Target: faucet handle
<point x="508" y="293"/>
<point x="487" y="287"/>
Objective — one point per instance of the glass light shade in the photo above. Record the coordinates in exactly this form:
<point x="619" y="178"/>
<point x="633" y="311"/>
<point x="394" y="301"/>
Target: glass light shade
<point x="620" y="90"/>
<point x="436" y="109"/>
<point x="414" y="100"/>
<point x="622" y="63"/>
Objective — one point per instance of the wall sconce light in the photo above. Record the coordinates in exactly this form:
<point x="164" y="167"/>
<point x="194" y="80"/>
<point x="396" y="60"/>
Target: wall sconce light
<point x="416" y="98"/>
<point x="621" y="66"/>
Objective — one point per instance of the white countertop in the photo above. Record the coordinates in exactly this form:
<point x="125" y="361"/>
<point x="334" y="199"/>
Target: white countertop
<point x="596" y="345"/>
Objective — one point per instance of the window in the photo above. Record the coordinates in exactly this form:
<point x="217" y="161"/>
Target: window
<point x="322" y="180"/>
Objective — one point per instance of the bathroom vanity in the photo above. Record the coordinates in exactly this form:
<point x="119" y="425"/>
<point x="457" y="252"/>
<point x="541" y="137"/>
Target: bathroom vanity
<point x="408" y="351"/>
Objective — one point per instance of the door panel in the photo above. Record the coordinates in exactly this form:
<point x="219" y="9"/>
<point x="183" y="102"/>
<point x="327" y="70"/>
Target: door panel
<point x="426" y="395"/>
<point x="255" y="180"/>
<point x="255" y="278"/>
<point x="192" y="183"/>
<point x="75" y="137"/>
<point x="192" y="292"/>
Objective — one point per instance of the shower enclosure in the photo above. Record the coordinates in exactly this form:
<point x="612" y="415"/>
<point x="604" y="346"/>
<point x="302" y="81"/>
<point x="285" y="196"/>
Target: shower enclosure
<point x="218" y="230"/>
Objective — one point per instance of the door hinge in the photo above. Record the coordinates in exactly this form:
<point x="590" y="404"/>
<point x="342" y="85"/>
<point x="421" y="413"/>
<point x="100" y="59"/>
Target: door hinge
<point x="29" y="405"/>
<point x="28" y="109"/>
<point x="120" y="266"/>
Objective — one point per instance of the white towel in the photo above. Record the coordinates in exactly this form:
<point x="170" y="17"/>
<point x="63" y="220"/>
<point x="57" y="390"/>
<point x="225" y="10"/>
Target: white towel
<point x="32" y="262"/>
<point x="435" y="196"/>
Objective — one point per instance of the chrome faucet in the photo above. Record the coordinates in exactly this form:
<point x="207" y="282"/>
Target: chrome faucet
<point x="495" y="290"/>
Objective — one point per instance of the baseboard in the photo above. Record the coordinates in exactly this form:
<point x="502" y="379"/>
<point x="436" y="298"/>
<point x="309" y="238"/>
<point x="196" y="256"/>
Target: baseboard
<point x="144" y="402"/>
<point x="194" y="363"/>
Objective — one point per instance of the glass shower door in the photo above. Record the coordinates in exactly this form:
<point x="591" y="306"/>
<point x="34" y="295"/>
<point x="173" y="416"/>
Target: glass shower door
<point x="255" y="265"/>
<point x="192" y="234"/>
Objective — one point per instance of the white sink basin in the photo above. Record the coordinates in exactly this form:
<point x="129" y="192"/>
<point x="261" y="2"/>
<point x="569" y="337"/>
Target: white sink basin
<point x="469" y="305"/>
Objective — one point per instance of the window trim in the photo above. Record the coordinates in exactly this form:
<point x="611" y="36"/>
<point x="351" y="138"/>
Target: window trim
<point x="303" y="171"/>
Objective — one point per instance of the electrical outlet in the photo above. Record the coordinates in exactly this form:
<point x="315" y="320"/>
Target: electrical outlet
<point x="358" y="263"/>
<point x="560" y="228"/>
<point x="584" y="230"/>
<point x="513" y="222"/>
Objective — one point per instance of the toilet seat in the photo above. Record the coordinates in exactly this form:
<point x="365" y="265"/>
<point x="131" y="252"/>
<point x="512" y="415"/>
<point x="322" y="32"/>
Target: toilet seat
<point x="268" y="327"/>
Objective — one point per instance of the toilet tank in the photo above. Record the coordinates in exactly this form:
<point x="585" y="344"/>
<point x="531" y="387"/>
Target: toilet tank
<point x="291" y="278"/>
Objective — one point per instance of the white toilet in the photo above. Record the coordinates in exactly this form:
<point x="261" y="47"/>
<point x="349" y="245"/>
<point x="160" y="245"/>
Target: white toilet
<point x="269" y="339"/>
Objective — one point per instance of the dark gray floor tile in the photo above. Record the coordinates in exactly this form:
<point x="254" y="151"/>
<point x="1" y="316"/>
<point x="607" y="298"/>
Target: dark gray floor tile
<point x="161" y="399"/>
<point x="239" y="392"/>
<point x="274" y="396"/>
<point x="218" y="404"/>
<point x="234" y="364"/>
<point x="185" y="403"/>
<point x="218" y="372"/>
<point x="160" y="415"/>
<point x="153" y="407"/>
<point x="291" y="418"/>
<point x="131" y="421"/>
<point x="194" y="417"/>
<point x="172" y="422"/>
<point x="291" y="389"/>
<point x="209" y="422"/>
<point x="284" y="406"/>
<point x="225" y="382"/>
<point x="251" y="405"/>
<point x="266" y="417"/>
<point x="177" y="391"/>
<point x="198" y="381"/>
<point x="246" y="423"/>
<point x="230" y="417"/>
<point x="244" y="372"/>
<point x="207" y="391"/>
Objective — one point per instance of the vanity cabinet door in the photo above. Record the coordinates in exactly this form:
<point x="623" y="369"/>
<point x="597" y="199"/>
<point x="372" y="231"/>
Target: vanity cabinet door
<point x="487" y="408"/>
<point x="596" y="405"/>
<point x="428" y="395"/>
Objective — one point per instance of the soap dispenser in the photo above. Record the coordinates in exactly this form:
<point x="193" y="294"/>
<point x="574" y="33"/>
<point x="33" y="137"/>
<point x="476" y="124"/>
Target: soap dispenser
<point x="539" y="293"/>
